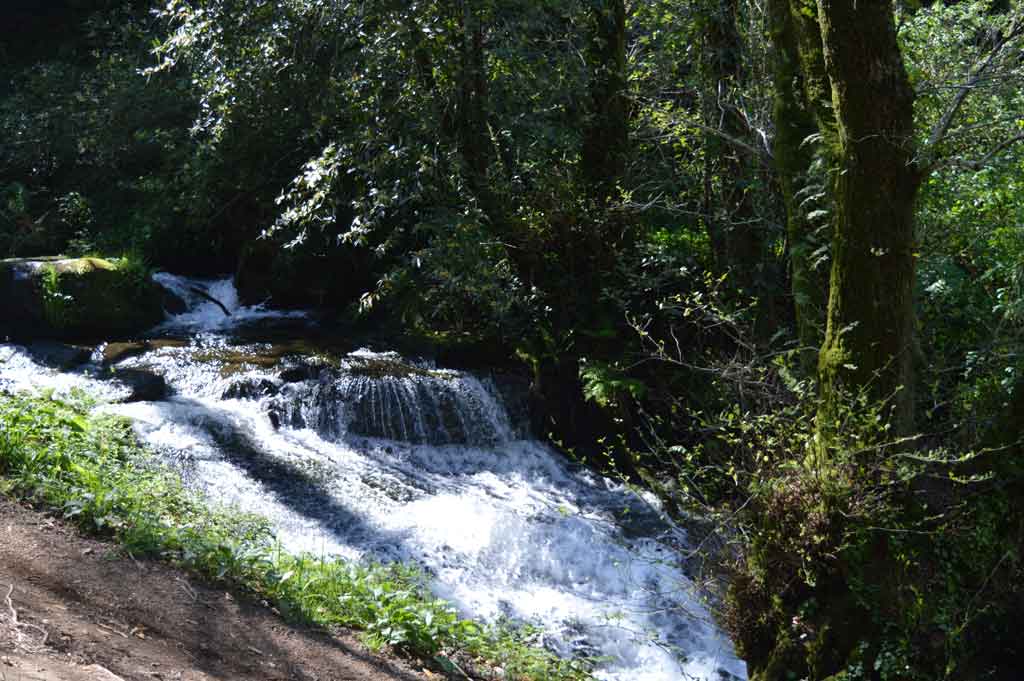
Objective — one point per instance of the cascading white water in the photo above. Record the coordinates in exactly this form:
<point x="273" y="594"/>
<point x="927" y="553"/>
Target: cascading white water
<point x="381" y="395"/>
<point x="205" y="315"/>
<point x="369" y="456"/>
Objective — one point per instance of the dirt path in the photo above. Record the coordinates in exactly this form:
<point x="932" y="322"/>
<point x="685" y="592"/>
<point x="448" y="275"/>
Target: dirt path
<point x="82" y="613"/>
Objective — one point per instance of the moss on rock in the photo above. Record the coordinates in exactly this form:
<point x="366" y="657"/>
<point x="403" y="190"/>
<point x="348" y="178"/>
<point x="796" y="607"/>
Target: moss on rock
<point x="76" y="298"/>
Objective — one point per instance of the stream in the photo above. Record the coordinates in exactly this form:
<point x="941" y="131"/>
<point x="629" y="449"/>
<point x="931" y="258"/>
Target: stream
<point x="365" y="454"/>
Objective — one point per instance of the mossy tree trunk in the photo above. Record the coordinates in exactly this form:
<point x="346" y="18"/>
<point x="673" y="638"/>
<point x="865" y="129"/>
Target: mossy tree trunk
<point x="798" y="111"/>
<point x="870" y="320"/>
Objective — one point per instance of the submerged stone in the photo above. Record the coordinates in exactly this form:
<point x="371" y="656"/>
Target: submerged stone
<point x="145" y="385"/>
<point x="250" y="389"/>
<point x="58" y="355"/>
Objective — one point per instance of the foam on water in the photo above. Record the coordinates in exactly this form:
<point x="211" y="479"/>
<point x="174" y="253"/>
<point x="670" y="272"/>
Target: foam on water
<point x="20" y="371"/>
<point x="505" y="526"/>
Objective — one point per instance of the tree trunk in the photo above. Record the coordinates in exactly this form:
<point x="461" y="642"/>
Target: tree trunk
<point x="732" y="226"/>
<point x="606" y="138"/>
<point x="798" y="113"/>
<point x="473" y="136"/>
<point x="870" y="323"/>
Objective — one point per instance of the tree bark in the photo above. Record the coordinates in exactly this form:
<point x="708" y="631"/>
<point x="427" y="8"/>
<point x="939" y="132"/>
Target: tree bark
<point x="870" y="321"/>
<point x="799" y="113"/>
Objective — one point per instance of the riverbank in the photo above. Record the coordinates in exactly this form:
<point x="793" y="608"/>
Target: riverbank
<point x="90" y="468"/>
<point x="88" y="611"/>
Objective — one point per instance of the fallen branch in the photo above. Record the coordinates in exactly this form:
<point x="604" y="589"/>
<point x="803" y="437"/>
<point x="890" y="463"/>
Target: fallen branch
<point x="203" y="294"/>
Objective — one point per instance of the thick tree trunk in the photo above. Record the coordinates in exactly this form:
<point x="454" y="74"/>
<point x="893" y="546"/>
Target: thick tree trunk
<point x="870" y="325"/>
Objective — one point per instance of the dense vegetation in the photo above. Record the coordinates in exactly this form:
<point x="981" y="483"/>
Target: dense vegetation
<point x="764" y="257"/>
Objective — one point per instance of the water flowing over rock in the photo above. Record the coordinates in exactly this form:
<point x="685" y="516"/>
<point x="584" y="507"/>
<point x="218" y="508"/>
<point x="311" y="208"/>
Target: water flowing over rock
<point x="380" y="395"/>
<point x="373" y="456"/>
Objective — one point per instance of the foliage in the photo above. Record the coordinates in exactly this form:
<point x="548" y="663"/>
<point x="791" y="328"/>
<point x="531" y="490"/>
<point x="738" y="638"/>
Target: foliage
<point x="57" y="305"/>
<point x="90" y="468"/>
<point x="968" y="216"/>
<point x="100" y="155"/>
<point x="873" y="559"/>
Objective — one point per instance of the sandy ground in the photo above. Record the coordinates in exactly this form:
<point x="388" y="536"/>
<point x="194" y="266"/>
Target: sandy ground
<point x="75" y="609"/>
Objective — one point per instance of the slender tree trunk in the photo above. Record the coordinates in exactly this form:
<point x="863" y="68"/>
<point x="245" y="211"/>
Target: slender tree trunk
<point x="736" y="243"/>
<point x="797" y="119"/>
<point x="606" y="139"/>
<point x="737" y="234"/>
<point x="870" y="324"/>
<point x="473" y="137"/>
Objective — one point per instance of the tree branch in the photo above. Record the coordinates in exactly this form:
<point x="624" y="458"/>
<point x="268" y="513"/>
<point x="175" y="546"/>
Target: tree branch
<point x="942" y="126"/>
<point x="980" y="163"/>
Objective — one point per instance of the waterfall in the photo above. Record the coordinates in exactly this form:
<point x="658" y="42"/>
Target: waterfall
<point x="380" y="395"/>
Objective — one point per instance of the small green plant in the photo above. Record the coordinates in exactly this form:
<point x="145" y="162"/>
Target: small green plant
<point x="57" y="305"/>
<point x="134" y="273"/>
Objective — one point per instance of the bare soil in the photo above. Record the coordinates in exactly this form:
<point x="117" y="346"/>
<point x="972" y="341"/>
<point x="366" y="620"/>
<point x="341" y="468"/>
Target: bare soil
<point x="76" y="609"/>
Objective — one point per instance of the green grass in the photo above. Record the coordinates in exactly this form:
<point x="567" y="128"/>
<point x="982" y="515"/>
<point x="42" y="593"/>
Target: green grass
<point x="91" y="469"/>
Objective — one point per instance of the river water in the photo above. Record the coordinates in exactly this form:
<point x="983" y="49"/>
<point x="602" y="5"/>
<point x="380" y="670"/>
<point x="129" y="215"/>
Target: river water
<point x="368" y="455"/>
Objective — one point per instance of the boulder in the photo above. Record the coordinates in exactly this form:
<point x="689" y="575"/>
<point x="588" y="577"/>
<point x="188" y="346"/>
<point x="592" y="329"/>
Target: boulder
<point x="250" y="388"/>
<point x="76" y="298"/>
<point x="300" y="372"/>
<point x="172" y="303"/>
<point x="144" y="385"/>
<point x="58" y="355"/>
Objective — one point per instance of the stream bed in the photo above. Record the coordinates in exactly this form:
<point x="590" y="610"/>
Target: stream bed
<point x="366" y="454"/>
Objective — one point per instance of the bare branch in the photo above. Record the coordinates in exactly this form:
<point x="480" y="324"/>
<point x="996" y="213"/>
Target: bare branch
<point x="980" y="163"/>
<point x="764" y="156"/>
<point x="942" y="126"/>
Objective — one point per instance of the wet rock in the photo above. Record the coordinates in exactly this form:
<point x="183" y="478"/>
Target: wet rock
<point x="58" y="355"/>
<point x="285" y="410"/>
<point x="275" y="418"/>
<point x="145" y="386"/>
<point x="250" y="389"/>
<point x="514" y="390"/>
<point x="282" y="417"/>
<point x="419" y="407"/>
<point x="172" y="303"/>
<point x="75" y="298"/>
<point x="297" y="374"/>
<point x="112" y="353"/>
